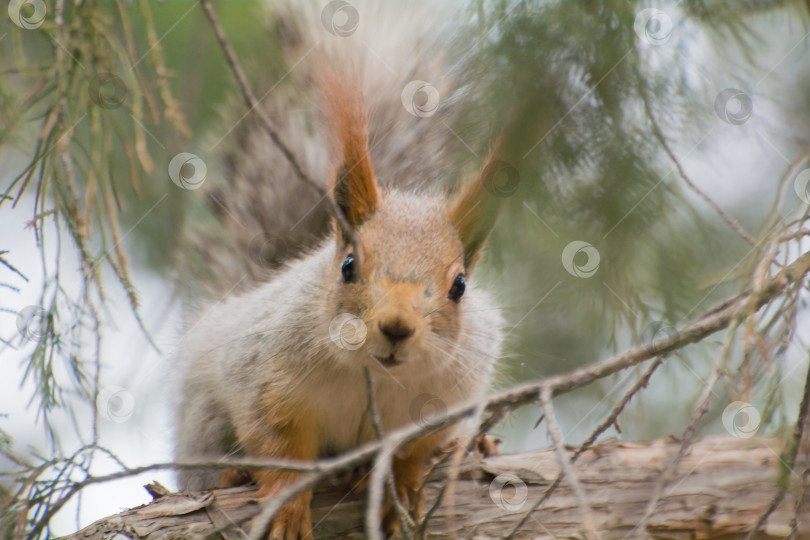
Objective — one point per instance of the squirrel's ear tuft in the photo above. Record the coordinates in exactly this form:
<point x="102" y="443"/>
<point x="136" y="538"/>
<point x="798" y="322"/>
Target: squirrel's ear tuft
<point x="475" y="211"/>
<point x="354" y="184"/>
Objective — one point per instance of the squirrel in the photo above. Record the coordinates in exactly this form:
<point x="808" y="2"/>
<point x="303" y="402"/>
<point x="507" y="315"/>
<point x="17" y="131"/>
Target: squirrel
<point x="278" y="370"/>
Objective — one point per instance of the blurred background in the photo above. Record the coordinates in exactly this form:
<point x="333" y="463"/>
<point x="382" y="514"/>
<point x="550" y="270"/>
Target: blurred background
<point x="654" y="150"/>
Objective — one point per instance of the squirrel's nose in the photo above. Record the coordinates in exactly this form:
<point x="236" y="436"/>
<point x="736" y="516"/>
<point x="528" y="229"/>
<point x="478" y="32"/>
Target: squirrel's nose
<point x="395" y="330"/>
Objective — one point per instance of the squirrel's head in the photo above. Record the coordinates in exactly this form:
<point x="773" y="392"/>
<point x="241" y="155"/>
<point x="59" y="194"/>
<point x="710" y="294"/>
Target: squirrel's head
<point x="401" y="278"/>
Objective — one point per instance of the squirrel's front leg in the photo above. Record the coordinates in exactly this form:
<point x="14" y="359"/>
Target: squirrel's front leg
<point x="296" y="440"/>
<point x="409" y="470"/>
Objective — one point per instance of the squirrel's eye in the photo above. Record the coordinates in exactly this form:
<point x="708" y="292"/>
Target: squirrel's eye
<point x="457" y="289"/>
<point x="348" y="270"/>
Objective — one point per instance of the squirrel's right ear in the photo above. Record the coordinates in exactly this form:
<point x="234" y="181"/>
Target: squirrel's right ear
<point x="475" y="211"/>
<point x="354" y="187"/>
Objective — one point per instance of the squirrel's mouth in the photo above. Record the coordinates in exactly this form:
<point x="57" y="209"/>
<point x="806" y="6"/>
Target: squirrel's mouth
<point x="388" y="361"/>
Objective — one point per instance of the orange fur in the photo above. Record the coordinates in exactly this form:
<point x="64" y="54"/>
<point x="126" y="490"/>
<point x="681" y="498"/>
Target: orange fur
<point x="474" y="213"/>
<point x="233" y="477"/>
<point x="354" y="183"/>
<point x="294" y="439"/>
<point x="409" y="478"/>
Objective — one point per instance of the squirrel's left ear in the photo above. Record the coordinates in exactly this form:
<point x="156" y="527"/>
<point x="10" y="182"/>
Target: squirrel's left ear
<point x="475" y="211"/>
<point x="355" y="188"/>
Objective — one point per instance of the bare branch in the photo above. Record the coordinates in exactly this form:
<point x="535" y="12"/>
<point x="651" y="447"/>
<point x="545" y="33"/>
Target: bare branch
<point x="250" y="98"/>
<point x="659" y="135"/>
<point x="788" y="457"/>
<point x="566" y="466"/>
<point x="619" y="407"/>
<point x="609" y="421"/>
<point x="701" y="408"/>
<point x="734" y="477"/>
<point x="404" y="518"/>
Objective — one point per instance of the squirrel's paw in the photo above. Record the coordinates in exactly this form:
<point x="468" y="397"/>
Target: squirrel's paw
<point x="390" y="524"/>
<point x="233" y="477"/>
<point x="484" y="447"/>
<point x="411" y="500"/>
<point x="487" y="446"/>
<point x="293" y="521"/>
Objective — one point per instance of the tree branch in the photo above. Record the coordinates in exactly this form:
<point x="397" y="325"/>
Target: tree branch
<point x="724" y="485"/>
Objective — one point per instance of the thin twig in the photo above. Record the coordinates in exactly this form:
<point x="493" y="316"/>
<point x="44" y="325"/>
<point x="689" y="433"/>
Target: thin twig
<point x="788" y="457"/>
<point x="566" y="466"/>
<point x="785" y="183"/>
<point x="609" y="421"/>
<point x="484" y="427"/>
<point x="380" y="472"/>
<point x="659" y="135"/>
<point x="250" y="98"/>
<point x="617" y="410"/>
<point x="794" y="523"/>
<point x="254" y="105"/>
<point x="699" y="411"/>
<point x="371" y="405"/>
<point x="456" y="458"/>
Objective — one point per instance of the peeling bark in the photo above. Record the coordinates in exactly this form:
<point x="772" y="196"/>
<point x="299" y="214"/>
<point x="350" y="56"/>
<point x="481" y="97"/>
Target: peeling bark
<point x="722" y="487"/>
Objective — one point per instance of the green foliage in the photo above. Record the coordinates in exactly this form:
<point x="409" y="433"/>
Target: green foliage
<point x="585" y="97"/>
